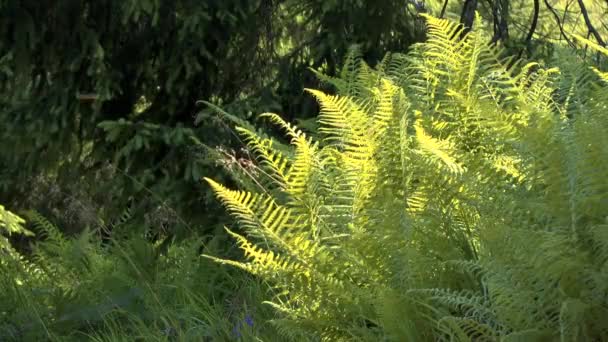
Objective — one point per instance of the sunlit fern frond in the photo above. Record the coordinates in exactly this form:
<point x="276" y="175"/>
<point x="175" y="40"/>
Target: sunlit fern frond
<point x="304" y="183"/>
<point x="536" y="86"/>
<point x="600" y="49"/>
<point x="438" y="150"/>
<point x="345" y="124"/>
<point x="11" y="223"/>
<point x="451" y="169"/>
<point x="348" y="129"/>
<point x="296" y="175"/>
<point x="258" y="214"/>
<point x="385" y="111"/>
<point x="260" y="262"/>
<point x="270" y="159"/>
<point x="347" y="83"/>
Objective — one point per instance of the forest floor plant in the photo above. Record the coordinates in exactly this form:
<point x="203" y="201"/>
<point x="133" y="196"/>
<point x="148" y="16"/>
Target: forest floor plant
<point x="448" y="194"/>
<point x="454" y="194"/>
<point x="75" y="289"/>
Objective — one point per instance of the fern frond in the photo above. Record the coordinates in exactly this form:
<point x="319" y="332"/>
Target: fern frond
<point x="451" y="152"/>
<point x="45" y="228"/>
<point x="272" y="159"/>
<point x="438" y="149"/>
<point x="601" y="49"/>
<point x="258" y="214"/>
<point x="463" y="329"/>
<point x="345" y="124"/>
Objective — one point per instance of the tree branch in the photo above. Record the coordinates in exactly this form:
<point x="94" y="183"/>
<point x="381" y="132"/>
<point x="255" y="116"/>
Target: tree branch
<point x="532" y="26"/>
<point x="445" y="6"/>
<point x="592" y="29"/>
<point x="559" y="23"/>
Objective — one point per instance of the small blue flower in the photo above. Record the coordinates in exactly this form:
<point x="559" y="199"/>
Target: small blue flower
<point x="236" y="329"/>
<point x="249" y="320"/>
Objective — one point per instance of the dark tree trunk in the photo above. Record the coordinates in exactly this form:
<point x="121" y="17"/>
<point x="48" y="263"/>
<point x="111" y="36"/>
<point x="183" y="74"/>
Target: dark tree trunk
<point x="468" y="15"/>
<point x="501" y="21"/>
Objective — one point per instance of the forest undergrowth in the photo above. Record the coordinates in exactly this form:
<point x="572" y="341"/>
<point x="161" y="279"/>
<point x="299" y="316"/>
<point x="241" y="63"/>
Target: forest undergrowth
<point x="450" y="193"/>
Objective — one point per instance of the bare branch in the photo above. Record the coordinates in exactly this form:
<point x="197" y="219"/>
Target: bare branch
<point x="532" y="26"/>
<point x="559" y="23"/>
<point x="590" y="26"/>
<point x="445" y="6"/>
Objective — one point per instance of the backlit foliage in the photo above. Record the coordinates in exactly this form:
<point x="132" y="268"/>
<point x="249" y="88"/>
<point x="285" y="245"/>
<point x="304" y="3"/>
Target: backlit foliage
<point x="452" y="194"/>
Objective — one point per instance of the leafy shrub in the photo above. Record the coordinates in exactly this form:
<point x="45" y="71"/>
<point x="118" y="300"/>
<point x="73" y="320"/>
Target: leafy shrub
<point x="453" y="194"/>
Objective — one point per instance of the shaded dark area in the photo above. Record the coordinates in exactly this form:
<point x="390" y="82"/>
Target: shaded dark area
<point x="100" y="98"/>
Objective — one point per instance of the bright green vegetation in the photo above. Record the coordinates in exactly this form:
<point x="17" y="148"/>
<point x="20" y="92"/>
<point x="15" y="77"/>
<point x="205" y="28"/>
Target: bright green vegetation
<point x="448" y="196"/>
<point x="451" y="192"/>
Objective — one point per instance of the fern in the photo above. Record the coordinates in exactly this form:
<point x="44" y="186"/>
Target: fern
<point x="465" y="186"/>
<point x="10" y="224"/>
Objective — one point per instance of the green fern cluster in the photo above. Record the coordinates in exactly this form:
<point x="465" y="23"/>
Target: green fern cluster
<point x="453" y="194"/>
<point x="74" y="289"/>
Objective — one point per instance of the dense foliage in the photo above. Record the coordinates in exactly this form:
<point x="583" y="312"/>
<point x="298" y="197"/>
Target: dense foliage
<point x="99" y="99"/>
<point x="74" y="290"/>
<point x="452" y="195"/>
<point x="455" y="191"/>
